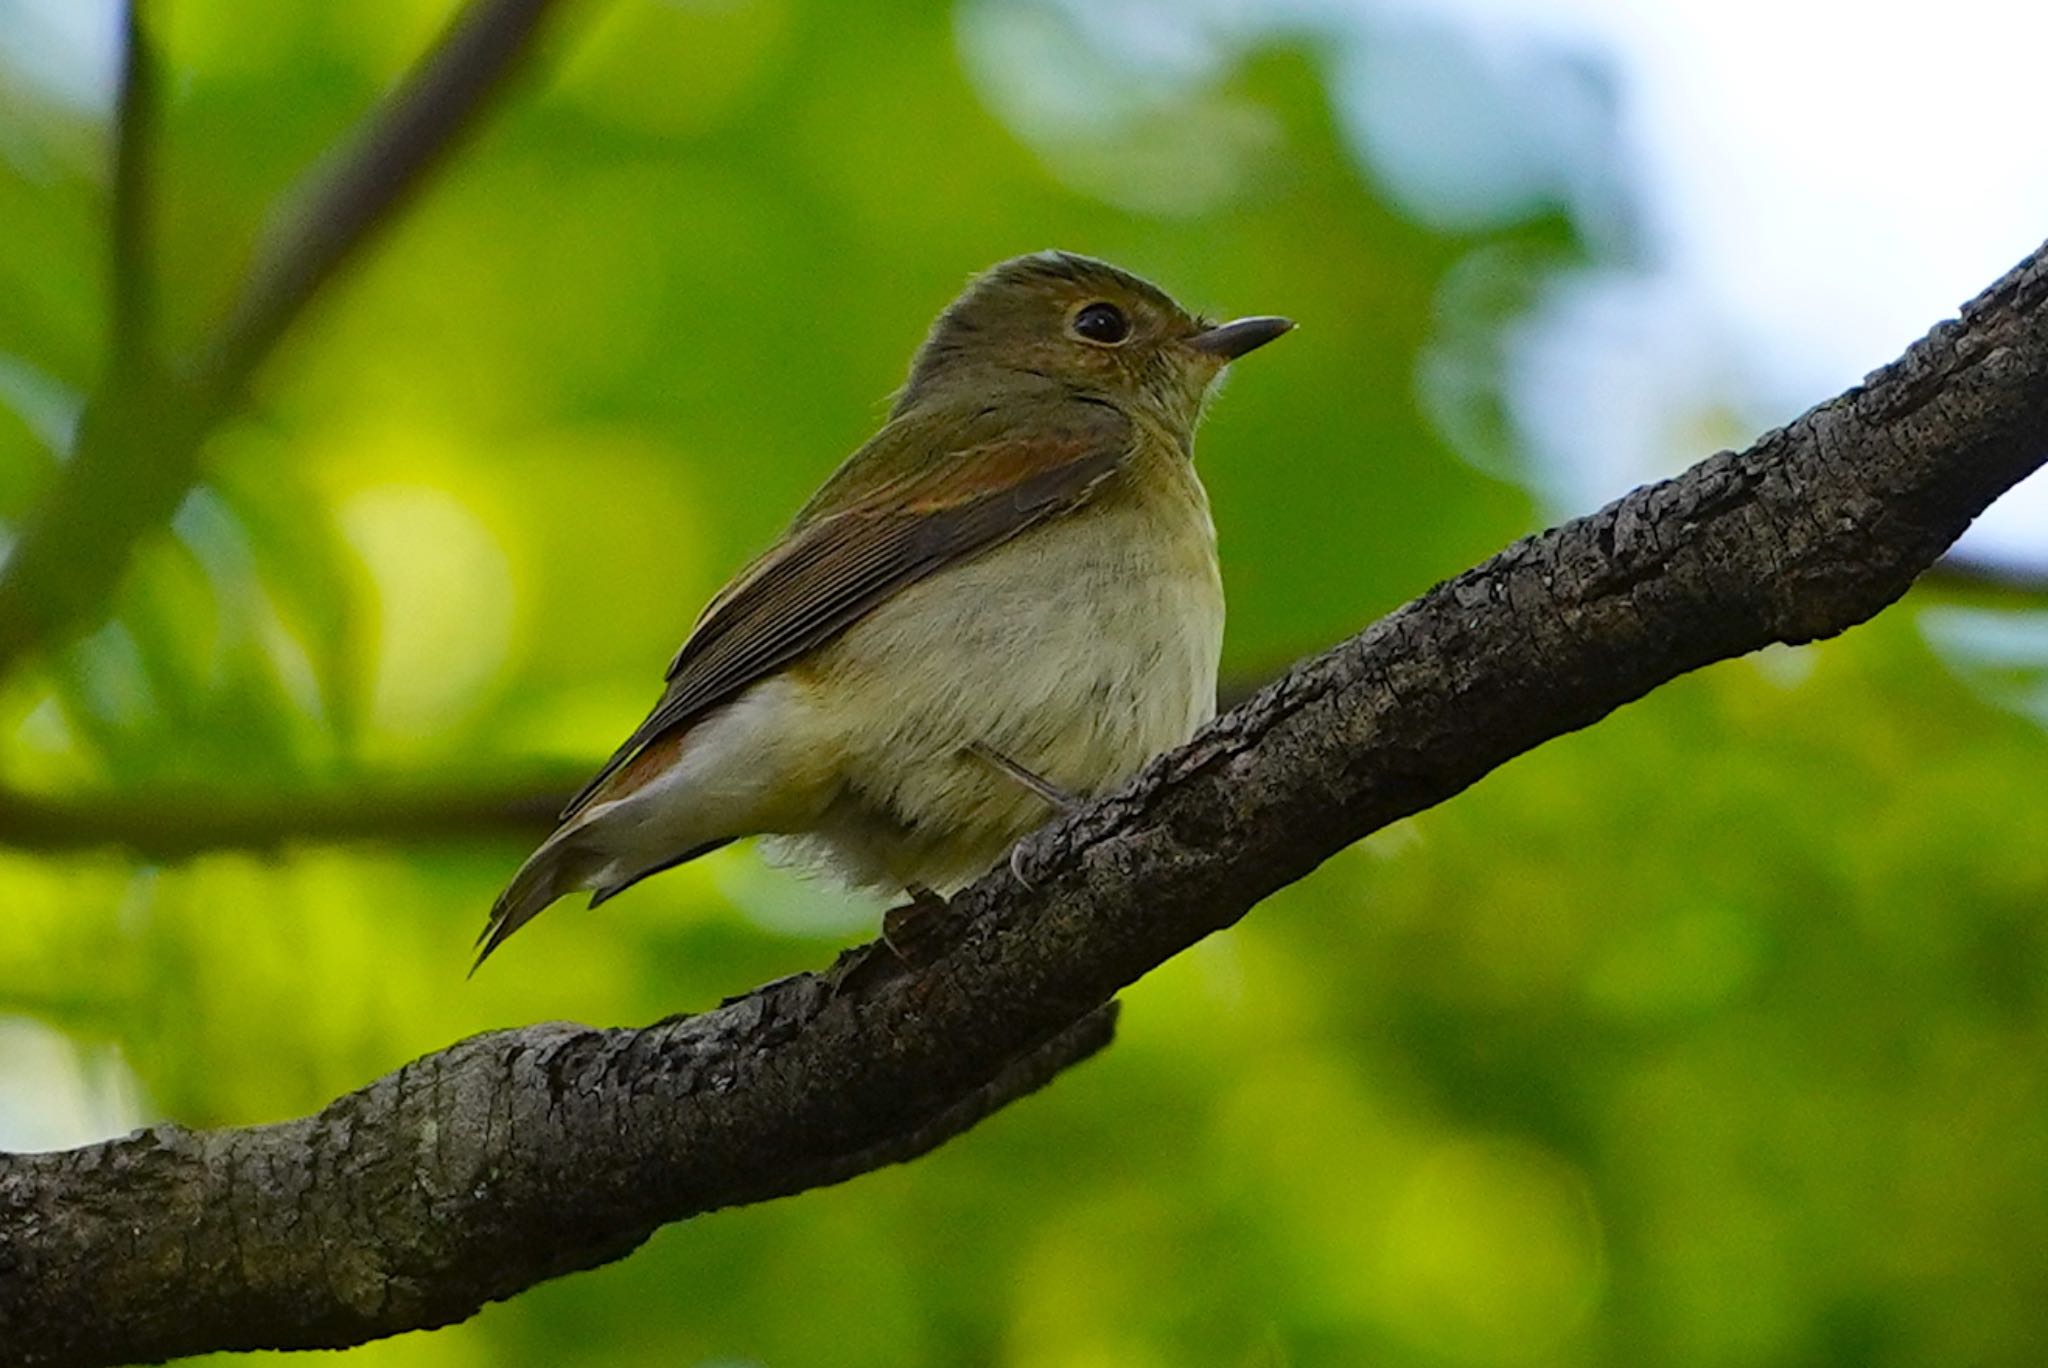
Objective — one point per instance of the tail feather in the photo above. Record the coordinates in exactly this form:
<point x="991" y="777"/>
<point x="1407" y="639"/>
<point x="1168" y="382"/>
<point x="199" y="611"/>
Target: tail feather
<point x="561" y="865"/>
<point x="605" y="892"/>
<point x="568" y="860"/>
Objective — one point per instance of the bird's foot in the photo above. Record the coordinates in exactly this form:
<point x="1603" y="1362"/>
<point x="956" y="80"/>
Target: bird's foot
<point x="1030" y="884"/>
<point x="911" y="930"/>
<point x="909" y="941"/>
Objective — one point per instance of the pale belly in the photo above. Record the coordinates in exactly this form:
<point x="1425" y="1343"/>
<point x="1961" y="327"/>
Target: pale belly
<point x="1079" y="651"/>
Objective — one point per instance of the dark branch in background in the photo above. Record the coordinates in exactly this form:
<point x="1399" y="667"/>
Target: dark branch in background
<point x="169" y="825"/>
<point x="140" y="437"/>
<point x="174" y="824"/>
<point x="339" y="206"/>
<point x="131" y="285"/>
<point x="517" y="1156"/>
<point x="1969" y="578"/>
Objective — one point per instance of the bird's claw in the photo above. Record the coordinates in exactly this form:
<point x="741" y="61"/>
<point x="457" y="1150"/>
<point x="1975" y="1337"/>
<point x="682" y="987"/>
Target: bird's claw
<point x="1030" y="885"/>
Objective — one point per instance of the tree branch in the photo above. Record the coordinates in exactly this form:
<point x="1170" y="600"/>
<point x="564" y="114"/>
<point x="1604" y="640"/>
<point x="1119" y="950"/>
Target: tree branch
<point x="509" y="1158"/>
<point x="139" y="439"/>
<point x="337" y="208"/>
<point x="1990" y="581"/>
<point x="131" y="324"/>
<point x="175" y="824"/>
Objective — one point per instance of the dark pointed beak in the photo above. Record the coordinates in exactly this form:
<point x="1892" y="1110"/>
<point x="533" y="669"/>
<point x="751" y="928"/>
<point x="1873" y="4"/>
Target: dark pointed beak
<point x="1228" y="341"/>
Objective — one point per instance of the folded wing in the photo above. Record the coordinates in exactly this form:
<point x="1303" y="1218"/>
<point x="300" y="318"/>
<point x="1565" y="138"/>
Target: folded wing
<point x="889" y="517"/>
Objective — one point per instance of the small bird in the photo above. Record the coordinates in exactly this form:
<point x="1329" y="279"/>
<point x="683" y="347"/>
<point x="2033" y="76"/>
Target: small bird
<point x="1008" y="597"/>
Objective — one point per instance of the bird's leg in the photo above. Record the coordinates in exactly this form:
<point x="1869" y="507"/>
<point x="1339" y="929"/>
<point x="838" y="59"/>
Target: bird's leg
<point x="908" y="929"/>
<point x="1056" y="797"/>
<point x="1061" y="800"/>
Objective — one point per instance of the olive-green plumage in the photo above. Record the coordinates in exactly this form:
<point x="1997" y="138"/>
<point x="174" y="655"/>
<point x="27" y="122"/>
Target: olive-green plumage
<point x="1019" y="569"/>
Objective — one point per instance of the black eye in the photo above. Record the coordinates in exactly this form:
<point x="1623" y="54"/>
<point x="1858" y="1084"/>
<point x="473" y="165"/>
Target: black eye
<point x="1102" y="322"/>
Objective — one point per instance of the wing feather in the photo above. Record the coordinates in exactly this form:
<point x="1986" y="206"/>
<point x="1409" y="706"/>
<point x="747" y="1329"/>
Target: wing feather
<point x="862" y="539"/>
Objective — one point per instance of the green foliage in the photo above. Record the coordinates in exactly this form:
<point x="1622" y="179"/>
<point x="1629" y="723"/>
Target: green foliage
<point x="1711" y="1035"/>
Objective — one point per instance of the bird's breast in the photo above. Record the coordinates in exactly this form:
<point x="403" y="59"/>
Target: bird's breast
<point x="1079" y="649"/>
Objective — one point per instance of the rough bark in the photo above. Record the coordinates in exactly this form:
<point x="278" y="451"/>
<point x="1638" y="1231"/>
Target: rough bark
<point x="516" y="1156"/>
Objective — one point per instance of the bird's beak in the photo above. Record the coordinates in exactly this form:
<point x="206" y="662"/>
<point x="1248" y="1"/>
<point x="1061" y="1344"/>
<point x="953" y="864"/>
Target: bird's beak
<point x="1228" y="341"/>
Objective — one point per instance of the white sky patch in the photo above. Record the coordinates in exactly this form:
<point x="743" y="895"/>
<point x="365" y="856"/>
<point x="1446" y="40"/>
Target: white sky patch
<point x="55" y="1093"/>
<point x="68" y="48"/>
<point x="1813" y="184"/>
<point x="1822" y="181"/>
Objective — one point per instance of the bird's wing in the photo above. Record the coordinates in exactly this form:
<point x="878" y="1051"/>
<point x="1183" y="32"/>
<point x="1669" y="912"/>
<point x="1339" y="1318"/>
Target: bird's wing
<point x="885" y="520"/>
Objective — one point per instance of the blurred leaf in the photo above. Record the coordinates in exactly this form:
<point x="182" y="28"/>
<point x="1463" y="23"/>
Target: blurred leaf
<point x="306" y="570"/>
<point x="45" y="406"/>
<point x="51" y="272"/>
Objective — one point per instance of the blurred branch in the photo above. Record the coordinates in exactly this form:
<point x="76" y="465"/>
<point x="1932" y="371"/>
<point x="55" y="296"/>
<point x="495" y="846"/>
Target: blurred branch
<point x="324" y="221"/>
<point x="510" y="1158"/>
<point x="132" y="285"/>
<point x="172" y="824"/>
<point x="1988" y="580"/>
<point x="176" y="824"/>
<point x="140" y="438"/>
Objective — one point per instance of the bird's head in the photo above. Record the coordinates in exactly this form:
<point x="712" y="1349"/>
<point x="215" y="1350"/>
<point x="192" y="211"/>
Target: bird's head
<point x="1053" y="320"/>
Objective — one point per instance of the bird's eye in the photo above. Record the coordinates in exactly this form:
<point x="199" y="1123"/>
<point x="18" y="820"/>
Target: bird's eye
<point x="1101" y="322"/>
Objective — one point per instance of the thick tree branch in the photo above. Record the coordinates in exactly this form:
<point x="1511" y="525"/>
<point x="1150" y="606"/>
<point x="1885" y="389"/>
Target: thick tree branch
<point x="139" y="439"/>
<point x="509" y="1158"/>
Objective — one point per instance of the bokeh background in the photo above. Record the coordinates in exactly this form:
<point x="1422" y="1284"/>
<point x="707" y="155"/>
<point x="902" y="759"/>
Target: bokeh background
<point x="1715" y="1035"/>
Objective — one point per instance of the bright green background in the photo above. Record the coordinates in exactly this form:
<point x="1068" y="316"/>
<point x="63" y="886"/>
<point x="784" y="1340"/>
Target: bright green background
<point x="1715" y="1035"/>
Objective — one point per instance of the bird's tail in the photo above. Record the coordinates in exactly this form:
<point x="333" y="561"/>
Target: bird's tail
<point x="566" y="861"/>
